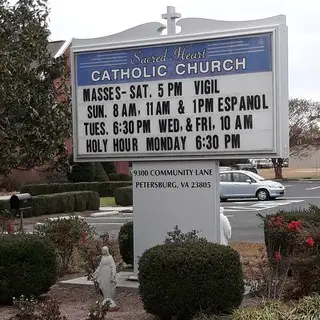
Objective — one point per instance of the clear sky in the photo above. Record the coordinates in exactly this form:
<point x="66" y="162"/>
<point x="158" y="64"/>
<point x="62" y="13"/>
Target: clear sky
<point x="95" y="18"/>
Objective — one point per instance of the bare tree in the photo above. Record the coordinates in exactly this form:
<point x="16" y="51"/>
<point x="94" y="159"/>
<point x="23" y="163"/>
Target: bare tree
<point x="304" y="131"/>
<point x="304" y="117"/>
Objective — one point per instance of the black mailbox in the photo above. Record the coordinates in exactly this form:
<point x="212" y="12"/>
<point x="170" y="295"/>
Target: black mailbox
<point x="19" y="202"/>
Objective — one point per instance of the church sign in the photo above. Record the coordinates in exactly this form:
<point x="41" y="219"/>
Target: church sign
<point x="213" y="95"/>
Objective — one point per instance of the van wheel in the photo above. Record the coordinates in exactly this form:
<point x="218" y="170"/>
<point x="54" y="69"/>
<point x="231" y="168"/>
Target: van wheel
<point x="263" y="195"/>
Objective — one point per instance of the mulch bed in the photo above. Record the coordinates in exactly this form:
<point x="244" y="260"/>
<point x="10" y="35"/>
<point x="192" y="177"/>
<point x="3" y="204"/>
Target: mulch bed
<point x="76" y="301"/>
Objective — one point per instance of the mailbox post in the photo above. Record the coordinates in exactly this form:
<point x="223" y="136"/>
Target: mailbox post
<point x="19" y="203"/>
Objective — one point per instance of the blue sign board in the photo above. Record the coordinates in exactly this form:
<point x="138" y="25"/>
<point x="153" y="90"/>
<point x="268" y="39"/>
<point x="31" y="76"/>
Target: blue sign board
<point x="226" y="56"/>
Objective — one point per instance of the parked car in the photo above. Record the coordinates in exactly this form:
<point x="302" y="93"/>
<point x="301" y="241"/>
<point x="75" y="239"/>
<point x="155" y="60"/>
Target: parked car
<point x="244" y="166"/>
<point x="246" y="184"/>
<point x="285" y="163"/>
<point x="262" y="163"/>
<point x="224" y="169"/>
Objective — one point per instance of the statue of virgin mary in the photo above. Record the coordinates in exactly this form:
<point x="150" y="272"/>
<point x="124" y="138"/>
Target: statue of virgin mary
<point x="105" y="275"/>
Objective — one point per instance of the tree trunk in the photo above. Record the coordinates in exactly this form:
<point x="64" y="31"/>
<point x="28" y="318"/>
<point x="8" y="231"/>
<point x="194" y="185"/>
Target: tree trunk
<point x="277" y="164"/>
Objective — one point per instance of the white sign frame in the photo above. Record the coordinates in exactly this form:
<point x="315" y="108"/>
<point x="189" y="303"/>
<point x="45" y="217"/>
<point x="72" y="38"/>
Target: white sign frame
<point x="194" y="29"/>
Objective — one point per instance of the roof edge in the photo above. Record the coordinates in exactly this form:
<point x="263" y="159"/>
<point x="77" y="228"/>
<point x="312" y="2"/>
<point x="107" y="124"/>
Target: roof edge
<point x="63" y="48"/>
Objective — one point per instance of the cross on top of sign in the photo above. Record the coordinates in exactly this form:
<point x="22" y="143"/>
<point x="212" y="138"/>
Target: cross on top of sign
<point x="171" y="17"/>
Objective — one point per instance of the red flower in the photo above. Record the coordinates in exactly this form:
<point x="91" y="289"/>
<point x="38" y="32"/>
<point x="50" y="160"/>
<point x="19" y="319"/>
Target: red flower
<point x="295" y="226"/>
<point x="276" y="221"/>
<point x="84" y="237"/>
<point x="277" y="256"/>
<point x="310" y="242"/>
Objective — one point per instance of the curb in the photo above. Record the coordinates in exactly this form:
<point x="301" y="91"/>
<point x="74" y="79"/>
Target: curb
<point x="294" y="180"/>
<point x="104" y="214"/>
<point x="123" y="282"/>
<point x="110" y="211"/>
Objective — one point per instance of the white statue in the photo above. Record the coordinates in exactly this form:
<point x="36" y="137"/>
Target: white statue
<point x="225" y="228"/>
<point x="105" y="275"/>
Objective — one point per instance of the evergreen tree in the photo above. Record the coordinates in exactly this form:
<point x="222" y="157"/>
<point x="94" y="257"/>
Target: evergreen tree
<point x="34" y="123"/>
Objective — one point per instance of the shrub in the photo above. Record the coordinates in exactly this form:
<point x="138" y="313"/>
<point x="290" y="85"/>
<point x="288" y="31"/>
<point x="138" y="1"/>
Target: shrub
<point x="293" y="238"/>
<point x="306" y="308"/>
<point x="66" y="235"/>
<point x="90" y="252"/>
<point x="32" y="309"/>
<point x="177" y="236"/>
<point x="124" y="196"/>
<point x="277" y="233"/>
<point x="82" y="172"/>
<point x="274" y="310"/>
<point x="5" y="218"/>
<point x="180" y="279"/>
<point x="105" y="189"/>
<point x="100" y="174"/>
<point x="98" y="311"/>
<point x="61" y="203"/>
<point x="28" y="266"/>
<point x="109" y="167"/>
<point x="39" y="205"/>
<point x="119" y="177"/>
<point x="92" y="201"/>
<point x="87" y="172"/>
<point x="126" y="242"/>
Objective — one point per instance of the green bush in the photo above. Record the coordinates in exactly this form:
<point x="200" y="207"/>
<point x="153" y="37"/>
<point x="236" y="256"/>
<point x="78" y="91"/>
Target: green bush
<point x="66" y="236"/>
<point x="124" y="196"/>
<point x="276" y="230"/>
<point x="119" y="177"/>
<point x="125" y="238"/>
<point x="93" y="201"/>
<point x="180" y="279"/>
<point x="39" y="205"/>
<point x="99" y="173"/>
<point x="28" y="266"/>
<point x="81" y="172"/>
<point x="87" y="172"/>
<point x="109" y="167"/>
<point x="5" y="217"/>
<point x="105" y="189"/>
<point x="78" y="201"/>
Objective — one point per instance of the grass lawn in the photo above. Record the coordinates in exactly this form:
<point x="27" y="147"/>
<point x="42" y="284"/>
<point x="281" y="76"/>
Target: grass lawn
<point x="107" y="202"/>
<point x="288" y="173"/>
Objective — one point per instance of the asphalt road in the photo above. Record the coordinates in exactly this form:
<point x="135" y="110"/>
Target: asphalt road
<point x="246" y="226"/>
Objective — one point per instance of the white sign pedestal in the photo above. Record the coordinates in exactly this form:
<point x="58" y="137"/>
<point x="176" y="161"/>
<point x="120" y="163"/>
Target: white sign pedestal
<point x="166" y="194"/>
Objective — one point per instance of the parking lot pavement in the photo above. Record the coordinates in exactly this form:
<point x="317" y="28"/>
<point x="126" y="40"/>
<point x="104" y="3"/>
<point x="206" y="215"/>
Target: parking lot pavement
<point x="246" y="225"/>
